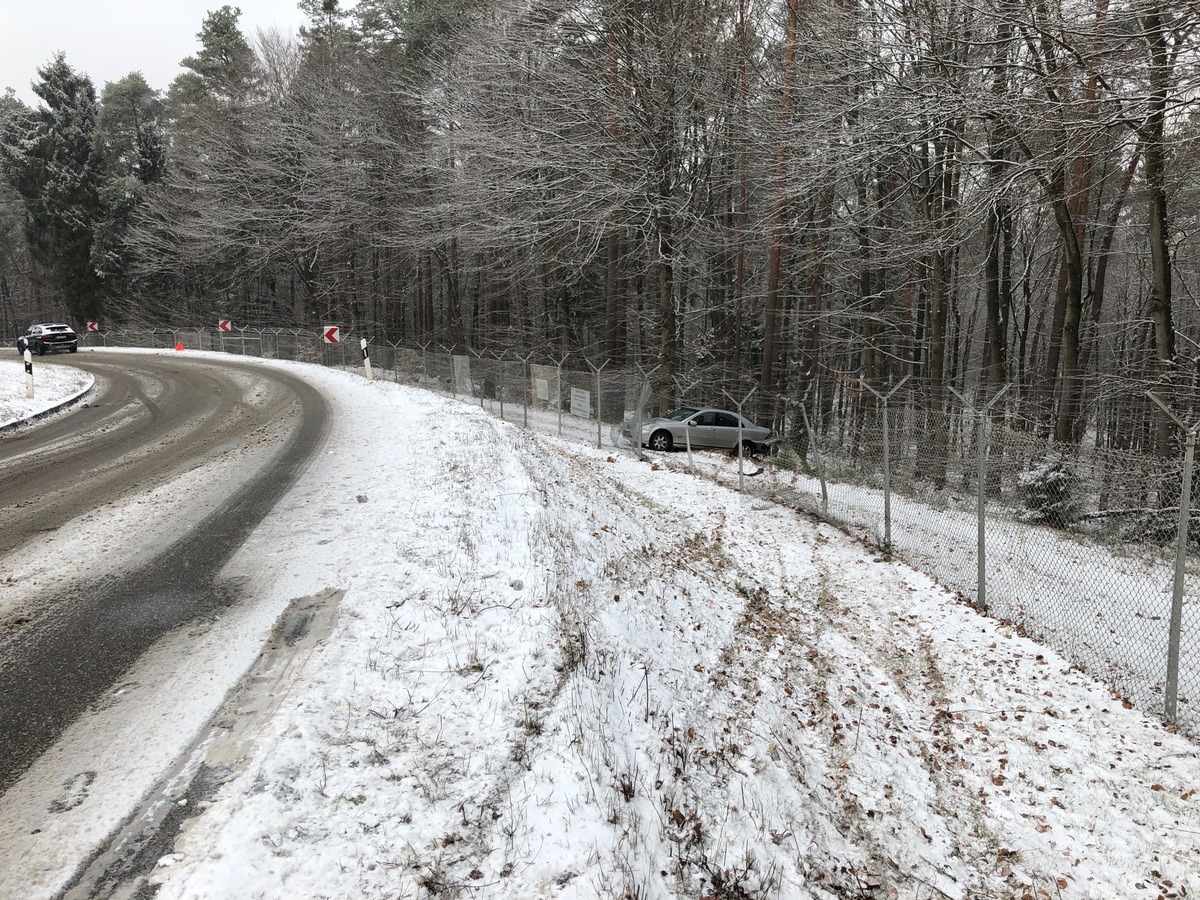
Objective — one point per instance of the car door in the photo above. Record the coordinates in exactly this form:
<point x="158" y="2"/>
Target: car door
<point x="700" y="429"/>
<point x="725" y="430"/>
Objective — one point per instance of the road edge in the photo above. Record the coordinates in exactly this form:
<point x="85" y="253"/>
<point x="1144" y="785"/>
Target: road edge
<point x="58" y="407"/>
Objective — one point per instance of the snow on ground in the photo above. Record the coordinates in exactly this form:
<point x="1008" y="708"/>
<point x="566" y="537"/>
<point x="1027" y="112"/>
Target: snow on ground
<point x="561" y="672"/>
<point x="1108" y="607"/>
<point x="52" y="385"/>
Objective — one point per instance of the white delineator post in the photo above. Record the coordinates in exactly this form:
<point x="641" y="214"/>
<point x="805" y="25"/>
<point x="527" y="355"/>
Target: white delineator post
<point x="28" y="374"/>
<point x="366" y="359"/>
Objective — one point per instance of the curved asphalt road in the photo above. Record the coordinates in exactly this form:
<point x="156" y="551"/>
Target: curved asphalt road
<point x="151" y="417"/>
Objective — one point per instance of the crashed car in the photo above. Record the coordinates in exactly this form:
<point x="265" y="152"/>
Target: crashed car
<point x="703" y="427"/>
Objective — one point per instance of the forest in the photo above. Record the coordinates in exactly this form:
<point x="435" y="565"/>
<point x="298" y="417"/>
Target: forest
<point x="805" y="199"/>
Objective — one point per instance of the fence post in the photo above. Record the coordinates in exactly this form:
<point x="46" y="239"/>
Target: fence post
<point x="643" y="399"/>
<point x="981" y="492"/>
<point x="812" y="443"/>
<point x="687" y="434"/>
<point x="558" y="391"/>
<point x="424" y="365"/>
<point x="1185" y="514"/>
<point x="740" y="448"/>
<point x="526" y="390"/>
<point x="453" y="374"/>
<point x="599" y="409"/>
<point x="478" y="354"/>
<point x="599" y="439"/>
<point x="500" y="361"/>
<point x="887" y="462"/>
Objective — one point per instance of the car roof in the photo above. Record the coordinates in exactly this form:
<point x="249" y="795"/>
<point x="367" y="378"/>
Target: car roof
<point x="696" y="410"/>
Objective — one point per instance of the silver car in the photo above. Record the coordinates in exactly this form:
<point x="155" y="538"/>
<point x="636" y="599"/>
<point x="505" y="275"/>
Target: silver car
<point x="705" y="427"/>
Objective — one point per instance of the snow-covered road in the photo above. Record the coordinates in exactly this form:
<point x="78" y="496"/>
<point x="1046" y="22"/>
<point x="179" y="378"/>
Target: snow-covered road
<point x="561" y="672"/>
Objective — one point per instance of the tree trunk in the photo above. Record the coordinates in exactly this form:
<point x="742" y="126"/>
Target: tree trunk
<point x="668" y="347"/>
<point x="1160" y="254"/>
<point x="768" y="386"/>
<point x="1071" y="390"/>
<point x="614" y="306"/>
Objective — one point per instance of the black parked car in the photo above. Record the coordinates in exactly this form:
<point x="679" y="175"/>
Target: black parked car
<point x="40" y="338"/>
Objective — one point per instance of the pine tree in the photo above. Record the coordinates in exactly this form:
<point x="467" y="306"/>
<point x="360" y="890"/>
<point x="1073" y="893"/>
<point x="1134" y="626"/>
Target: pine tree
<point x="130" y="147"/>
<point x="48" y="155"/>
<point x="222" y="72"/>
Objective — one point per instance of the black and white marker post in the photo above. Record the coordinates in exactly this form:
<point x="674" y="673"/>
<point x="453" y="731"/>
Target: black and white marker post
<point x="367" y="360"/>
<point x="28" y="374"/>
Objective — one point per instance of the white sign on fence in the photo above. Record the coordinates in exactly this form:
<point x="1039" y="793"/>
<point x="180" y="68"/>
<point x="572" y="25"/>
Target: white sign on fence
<point x="581" y="403"/>
<point x="462" y="374"/>
<point x="543" y="389"/>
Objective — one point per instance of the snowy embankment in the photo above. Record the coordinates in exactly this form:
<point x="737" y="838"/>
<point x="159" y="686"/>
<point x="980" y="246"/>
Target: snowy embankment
<point x="558" y="671"/>
<point x="52" y="385"/>
<point x="561" y="672"/>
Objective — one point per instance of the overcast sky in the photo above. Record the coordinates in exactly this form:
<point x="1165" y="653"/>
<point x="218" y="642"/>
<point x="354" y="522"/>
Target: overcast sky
<point x="108" y="40"/>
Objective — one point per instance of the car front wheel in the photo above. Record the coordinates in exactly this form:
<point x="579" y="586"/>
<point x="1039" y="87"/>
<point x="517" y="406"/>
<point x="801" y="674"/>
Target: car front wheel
<point x="660" y="440"/>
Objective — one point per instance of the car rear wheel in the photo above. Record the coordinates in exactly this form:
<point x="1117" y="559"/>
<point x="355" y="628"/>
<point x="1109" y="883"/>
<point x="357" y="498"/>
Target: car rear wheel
<point x="41" y="349"/>
<point x="660" y="440"/>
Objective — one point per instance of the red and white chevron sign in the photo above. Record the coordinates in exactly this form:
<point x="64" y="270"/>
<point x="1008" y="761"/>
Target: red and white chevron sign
<point x="331" y="334"/>
<point x="225" y="325"/>
<point x="93" y="326"/>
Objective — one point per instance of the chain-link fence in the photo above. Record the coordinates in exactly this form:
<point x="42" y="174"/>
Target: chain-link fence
<point x="1074" y="545"/>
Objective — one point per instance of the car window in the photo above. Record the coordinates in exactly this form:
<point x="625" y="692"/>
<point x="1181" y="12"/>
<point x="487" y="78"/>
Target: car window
<point x="680" y="414"/>
<point x="726" y="420"/>
<point x="705" y="418"/>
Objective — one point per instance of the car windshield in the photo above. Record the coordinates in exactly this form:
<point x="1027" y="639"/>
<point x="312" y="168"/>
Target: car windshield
<point x="682" y="413"/>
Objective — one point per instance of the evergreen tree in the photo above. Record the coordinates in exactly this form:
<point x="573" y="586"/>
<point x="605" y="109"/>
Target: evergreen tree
<point x="13" y="255"/>
<point x="415" y="31"/>
<point x="131" y="149"/>
<point x="221" y="74"/>
<point x="185" y="246"/>
<point x="129" y="132"/>
<point x="48" y="155"/>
